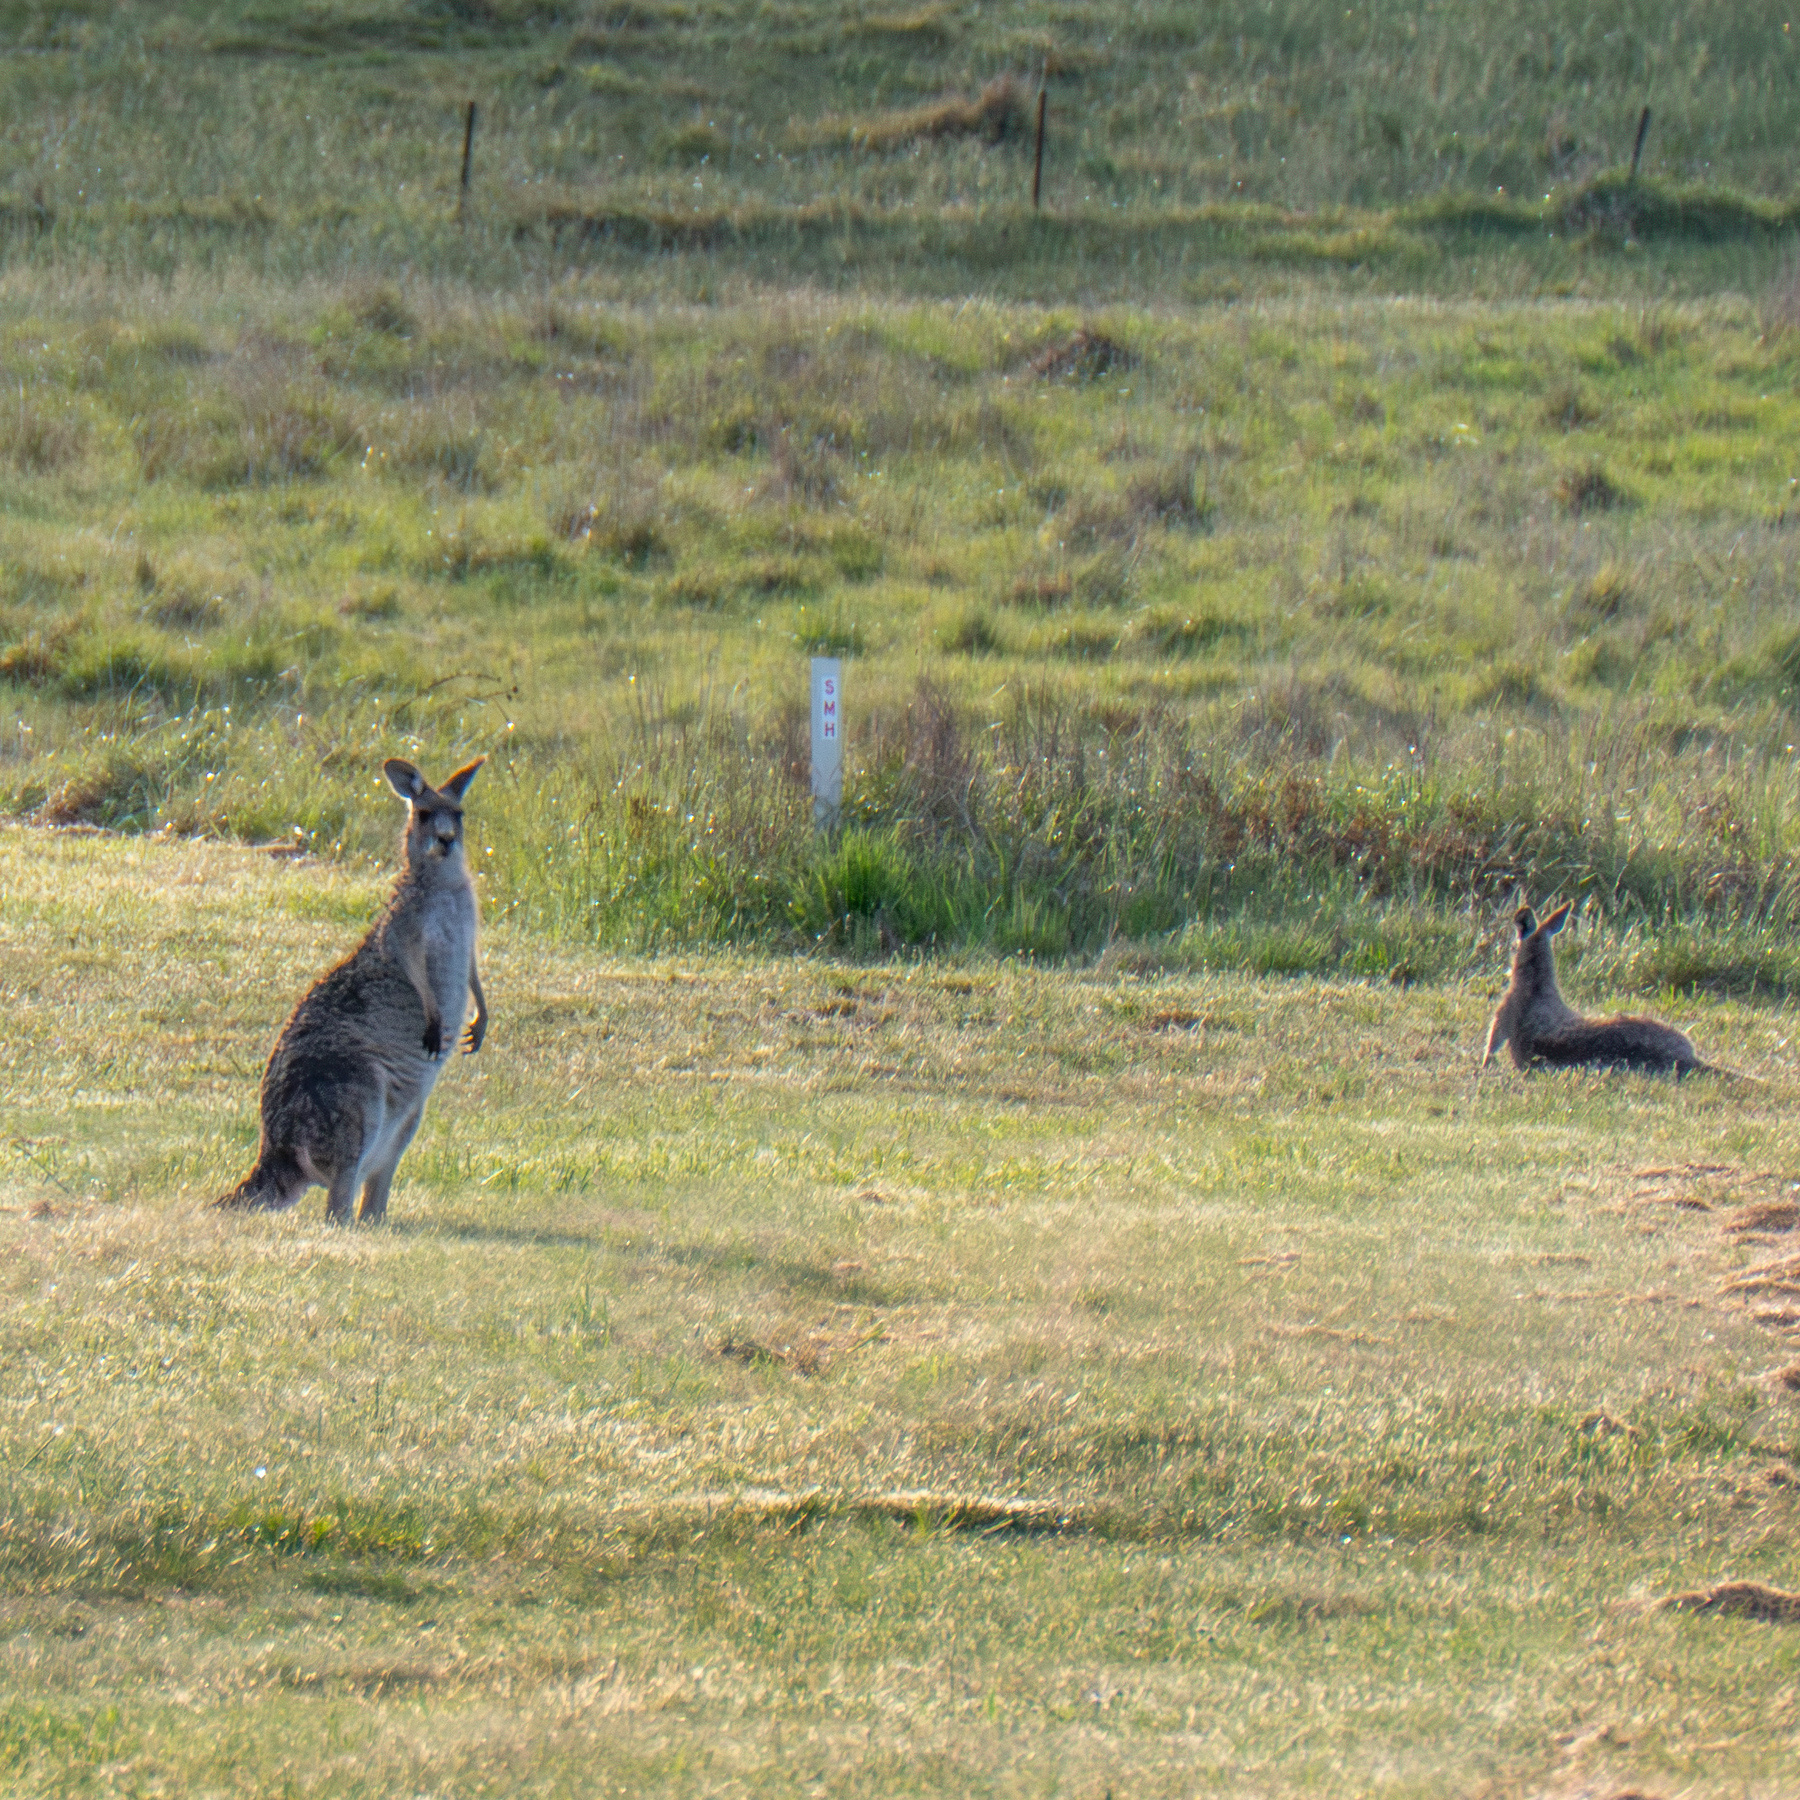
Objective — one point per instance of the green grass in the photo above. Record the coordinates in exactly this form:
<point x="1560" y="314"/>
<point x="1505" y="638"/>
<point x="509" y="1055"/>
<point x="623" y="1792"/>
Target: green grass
<point x="714" y="1288"/>
<point x="1244" y="616"/>
<point x="1308" y="618"/>
<point x="1384" y="144"/>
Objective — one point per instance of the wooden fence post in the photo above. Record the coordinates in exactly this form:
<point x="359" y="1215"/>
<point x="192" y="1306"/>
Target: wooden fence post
<point x="1037" y="167"/>
<point x="462" y="199"/>
<point x="1637" y="149"/>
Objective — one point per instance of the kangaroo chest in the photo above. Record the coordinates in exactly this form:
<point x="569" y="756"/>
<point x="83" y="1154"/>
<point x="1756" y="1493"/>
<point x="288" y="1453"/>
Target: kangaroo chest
<point x="1548" y="1013"/>
<point x="448" y="927"/>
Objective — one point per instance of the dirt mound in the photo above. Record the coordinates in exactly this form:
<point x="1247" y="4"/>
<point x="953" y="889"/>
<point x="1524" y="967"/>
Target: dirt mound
<point x="1604" y="1425"/>
<point x="1087" y="356"/>
<point x="803" y="1358"/>
<point x="1764" y="1215"/>
<point x="1779" y="1277"/>
<point x="1001" y="111"/>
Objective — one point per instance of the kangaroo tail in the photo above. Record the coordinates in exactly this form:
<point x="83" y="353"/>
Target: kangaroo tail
<point x="1707" y="1068"/>
<point x="276" y="1182"/>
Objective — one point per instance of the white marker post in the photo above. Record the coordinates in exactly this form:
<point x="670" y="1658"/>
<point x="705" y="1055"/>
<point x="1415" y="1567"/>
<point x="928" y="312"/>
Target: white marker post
<point x="827" y="740"/>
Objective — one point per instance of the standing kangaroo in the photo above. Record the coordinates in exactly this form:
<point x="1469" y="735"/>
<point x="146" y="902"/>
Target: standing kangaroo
<point x="349" y="1075"/>
<point x="1538" y="1026"/>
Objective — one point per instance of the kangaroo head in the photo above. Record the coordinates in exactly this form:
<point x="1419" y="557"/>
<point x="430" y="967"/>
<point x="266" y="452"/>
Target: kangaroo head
<point x="434" y="820"/>
<point x="1534" y="963"/>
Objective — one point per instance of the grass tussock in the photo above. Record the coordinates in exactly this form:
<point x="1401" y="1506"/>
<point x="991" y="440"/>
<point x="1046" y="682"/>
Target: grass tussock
<point x="1054" y="837"/>
<point x="38" y="441"/>
<point x="1590" y="490"/>
<point x="1740" y="1600"/>
<point x="263" y="431"/>
<point x="1391" y="152"/>
<point x="1001" y="112"/>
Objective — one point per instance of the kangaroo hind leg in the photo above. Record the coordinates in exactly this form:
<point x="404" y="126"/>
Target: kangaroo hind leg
<point x="381" y="1177"/>
<point x="354" y="1139"/>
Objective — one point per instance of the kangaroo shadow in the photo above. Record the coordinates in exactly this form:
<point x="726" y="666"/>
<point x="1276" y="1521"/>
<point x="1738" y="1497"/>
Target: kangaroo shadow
<point x="803" y="1279"/>
<point x="471" y="1231"/>
<point x="719" y="1261"/>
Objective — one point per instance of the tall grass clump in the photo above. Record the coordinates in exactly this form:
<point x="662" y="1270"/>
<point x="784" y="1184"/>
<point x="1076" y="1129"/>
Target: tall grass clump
<point x="1056" y="833"/>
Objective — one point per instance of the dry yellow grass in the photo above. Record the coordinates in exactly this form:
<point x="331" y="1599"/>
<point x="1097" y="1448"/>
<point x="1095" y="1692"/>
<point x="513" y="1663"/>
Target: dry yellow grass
<point x="930" y="1379"/>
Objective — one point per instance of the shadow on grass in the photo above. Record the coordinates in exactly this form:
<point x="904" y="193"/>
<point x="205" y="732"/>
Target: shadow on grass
<point x="727" y="1261"/>
<point x="471" y="1231"/>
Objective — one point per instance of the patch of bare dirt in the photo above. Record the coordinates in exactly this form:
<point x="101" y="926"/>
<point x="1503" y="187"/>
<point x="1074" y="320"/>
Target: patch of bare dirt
<point x="1175" y="1019"/>
<point x="1330" y="1333"/>
<point x="1086" y="356"/>
<point x="1781" y="1277"/>
<point x="807" y="1352"/>
<point x="1001" y="111"/>
<point x="1603" y="1425"/>
<point x="1688" y="1187"/>
<point x="802" y="1357"/>
<point x="1763" y="1218"/>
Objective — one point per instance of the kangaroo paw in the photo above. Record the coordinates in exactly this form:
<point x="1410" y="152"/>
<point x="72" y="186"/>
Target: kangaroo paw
<point x="471" y="1041"/>
<point x="434" y="1037"/>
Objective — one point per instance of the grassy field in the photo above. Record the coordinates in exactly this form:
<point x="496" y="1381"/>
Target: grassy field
<point x="779" y="1377"/>
<point x="1023" y="1294"/>
<point x="1268" y="562"/>
<point x="1285" y="638"/>
<point x="1211" y="152"/>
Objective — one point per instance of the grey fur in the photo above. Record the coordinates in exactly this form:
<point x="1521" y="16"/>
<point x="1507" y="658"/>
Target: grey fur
<point x="349" y="1076"/>
<point x="1538" y="1026"/>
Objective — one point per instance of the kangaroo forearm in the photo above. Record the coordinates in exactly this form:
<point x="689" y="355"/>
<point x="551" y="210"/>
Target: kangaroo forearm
<point x="478" y="1030"/>
<point x="412" y="960"/>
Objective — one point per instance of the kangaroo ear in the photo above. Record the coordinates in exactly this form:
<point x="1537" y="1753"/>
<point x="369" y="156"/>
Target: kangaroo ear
<point x="403" y="778"/>
<point x="456" y="785"/>
<point x="1526" y="920"/>
<point x="1557" y="919"/>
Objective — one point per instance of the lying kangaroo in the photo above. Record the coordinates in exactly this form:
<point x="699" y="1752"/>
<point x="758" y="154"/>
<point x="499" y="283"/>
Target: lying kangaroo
<point x="349" y="1075"/>
<point x="1538" y="1026"/>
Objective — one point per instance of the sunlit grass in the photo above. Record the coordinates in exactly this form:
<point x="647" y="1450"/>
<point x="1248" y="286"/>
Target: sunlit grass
<point x="1024" y="1293"/>
<point x="1301" y="612"/>
<point x="1326" y="1387"/>
<point x="1240" y="149"/>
